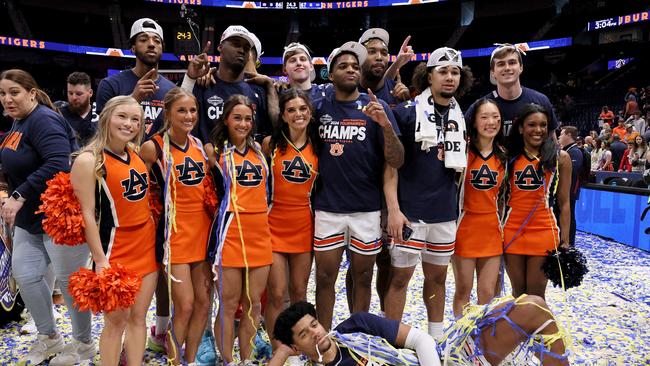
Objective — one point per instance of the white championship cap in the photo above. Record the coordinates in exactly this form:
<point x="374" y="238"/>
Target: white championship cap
<point x="237" y="31"/>
<point x="294" y="47"/>
<point x="378" y="33"/>
<point x="445" y="56"/>
<point x="258" y="46"/>
<point x="354" y="47"/>
<point x="146" y="25"/>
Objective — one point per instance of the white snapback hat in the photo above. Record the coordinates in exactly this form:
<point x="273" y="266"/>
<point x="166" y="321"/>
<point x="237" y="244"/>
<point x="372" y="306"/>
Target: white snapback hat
<point x="378" y="33"/>
<point x="445" y="56"/>
<point x="354" y="47"/>
<point x="146" y="25"/>
<point x="238" y="31"/>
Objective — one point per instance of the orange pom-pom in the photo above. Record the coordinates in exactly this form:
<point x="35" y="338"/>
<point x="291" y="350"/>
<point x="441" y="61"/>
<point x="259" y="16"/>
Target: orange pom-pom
<point x="119" y="286"/>
<point x="85" y="291"/>
<point x="114" y="288"/>
<point x="63" y="221"/>
<point x="210" y="199"/>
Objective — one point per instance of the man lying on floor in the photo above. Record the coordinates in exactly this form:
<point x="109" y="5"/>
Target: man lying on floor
<point x="484" y="336"/>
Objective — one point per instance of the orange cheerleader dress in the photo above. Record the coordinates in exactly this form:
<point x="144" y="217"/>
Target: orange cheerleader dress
<point x="240" y="235"/>
<point x="189" y="241"/>
<point x="530" y="227"/>
<point x="479" y="231"/>
<point x="290" y="216"/>
<point x="126" y="228"/>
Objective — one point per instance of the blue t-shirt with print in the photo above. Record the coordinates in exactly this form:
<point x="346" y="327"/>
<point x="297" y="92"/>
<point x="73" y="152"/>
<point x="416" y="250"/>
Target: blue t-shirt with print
<point x="352" y="157"/>
<point x="32" y="152"/>
<point x="426" y="189"/>
<point x="124" y="84"/>
<point x="212" y="100"/>
<point x="510" y="108"/>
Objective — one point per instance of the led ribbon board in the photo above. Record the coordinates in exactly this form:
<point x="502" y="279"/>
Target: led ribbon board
<point x="618" y="21"/>
<point x="294" y="5"/>
<point x="116" y="52"/>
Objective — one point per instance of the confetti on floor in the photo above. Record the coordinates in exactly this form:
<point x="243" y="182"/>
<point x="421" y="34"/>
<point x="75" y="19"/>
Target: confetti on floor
<point x="608" y="316"/>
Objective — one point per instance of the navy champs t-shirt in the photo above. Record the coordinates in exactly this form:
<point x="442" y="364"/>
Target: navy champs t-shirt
<point x="123" y="84"/>
<point x="212" y="100"/>
<point x="510" y="108"/>
<point x="352" y="157"/>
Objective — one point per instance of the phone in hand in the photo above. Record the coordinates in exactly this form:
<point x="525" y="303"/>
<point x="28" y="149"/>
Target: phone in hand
<point x="407" y="232"/>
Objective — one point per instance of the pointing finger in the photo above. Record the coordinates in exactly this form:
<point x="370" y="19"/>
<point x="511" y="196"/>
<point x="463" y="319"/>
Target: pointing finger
<point x="148" y="74"/>
<point x="405" y="44"/>
<point x="207" y="47"/>
<point x="373" y="97"/>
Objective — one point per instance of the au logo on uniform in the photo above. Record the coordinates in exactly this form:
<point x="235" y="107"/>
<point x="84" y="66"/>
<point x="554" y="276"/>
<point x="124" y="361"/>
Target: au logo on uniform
<point x="135" y="187"/>
<point x="249" y="174"/>
<point x="296" y="170"/>
<point x="483" y="178"/>
<point x="190" y="173"/>
<point x="336" y="149"/>
<point x="528" y="179"/>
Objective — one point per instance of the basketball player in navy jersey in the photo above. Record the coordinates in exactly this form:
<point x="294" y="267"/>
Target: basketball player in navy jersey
<point x="234" y="48"/>
<point x="506" y="67"/>
<point x="373" y="70"/>
<point x="298" y="66"/>
<point x="142" y="82"/>
<point x="376" y="77"/>
<point x="359" y="135"/>
<point x="426" y="204"/>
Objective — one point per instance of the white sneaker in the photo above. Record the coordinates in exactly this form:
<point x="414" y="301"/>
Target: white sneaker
<point x="75" y="352"/>
<point x="42" y="349"/>
<point x="29" y="327"/>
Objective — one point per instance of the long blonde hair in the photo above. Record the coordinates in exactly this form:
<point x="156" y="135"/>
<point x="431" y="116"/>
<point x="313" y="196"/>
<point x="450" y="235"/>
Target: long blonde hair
<point x="98" y="143"/>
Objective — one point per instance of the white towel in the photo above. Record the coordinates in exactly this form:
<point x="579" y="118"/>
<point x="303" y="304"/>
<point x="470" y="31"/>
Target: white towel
<point x="454" y="138"/>
<point x="426" y="131"/>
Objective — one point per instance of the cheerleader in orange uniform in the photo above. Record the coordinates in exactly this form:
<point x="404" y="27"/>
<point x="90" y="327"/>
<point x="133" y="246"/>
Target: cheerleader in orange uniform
<point x="294" y="164"/>
<point x="479" y="239"/>
<point x="109" y="174"/>
<point x="189" y="224"/>
<point x="240" y="241"/>
<point x="539" y="174"/>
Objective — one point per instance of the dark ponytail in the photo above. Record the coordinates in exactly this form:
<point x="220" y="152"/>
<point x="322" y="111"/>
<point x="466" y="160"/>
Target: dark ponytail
<point x="26" y="80"/>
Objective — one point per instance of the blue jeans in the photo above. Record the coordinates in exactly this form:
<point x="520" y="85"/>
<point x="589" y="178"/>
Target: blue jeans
<point x="31" y="257"/>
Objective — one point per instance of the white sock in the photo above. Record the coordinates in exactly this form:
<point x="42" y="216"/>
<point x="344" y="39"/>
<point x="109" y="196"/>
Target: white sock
<point x="162" y="322"/>
<point x="436" y="330"/>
